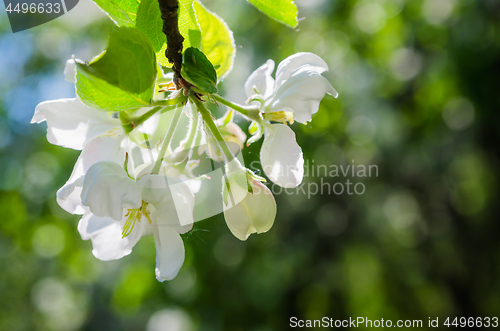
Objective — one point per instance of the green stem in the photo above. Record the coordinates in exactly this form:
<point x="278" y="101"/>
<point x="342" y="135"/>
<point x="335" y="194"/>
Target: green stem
<point x="249" y="111"/>
<point x="165" y="105"/>
<point x="130" y="123"/>
<point x="167" y="140"/>
<point x="170" y="102"/>
<point x="197" y="142"/>
<point x="209" y="121"/>
<point x="144" y="117"/>
<point x="192" y="130"/>
<point x="168" y="108"/>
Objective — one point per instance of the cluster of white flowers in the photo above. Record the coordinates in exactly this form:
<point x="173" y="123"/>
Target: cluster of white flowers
<point x="126" y="188"/>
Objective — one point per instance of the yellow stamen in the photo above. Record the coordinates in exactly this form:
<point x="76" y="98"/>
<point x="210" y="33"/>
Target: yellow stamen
<point x="145" y="211"/>
<point x="146" y="214"/>
<point x="135" y="215"/>
<point x="280" y="116"/>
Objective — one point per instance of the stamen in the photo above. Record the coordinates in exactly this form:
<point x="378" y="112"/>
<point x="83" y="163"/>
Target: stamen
<point x="130" y="223"/>
<point x="280" y="116"/>
<point x="135" y="215"/>
<point x="145" y="212"/>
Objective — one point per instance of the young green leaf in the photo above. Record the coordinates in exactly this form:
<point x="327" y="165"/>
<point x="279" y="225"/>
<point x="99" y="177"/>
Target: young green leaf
<point x="284" y="11"/>
<point x="122" y="12"/>
<point x="98" y="93"/>
<point x="124" y="73"/>
<point x="198" y="70"/>
<point x="150" y="23"/>
<point x="217" y="40"/>
<point x="128" y="62"/>
<point x="188" y="25"/>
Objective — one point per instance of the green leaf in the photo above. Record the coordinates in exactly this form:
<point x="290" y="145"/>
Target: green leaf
<point x="123" y="76"/>
<point x="98" y="93"/>
<point x="150" y="23"/>
<point x="128" y="62"/>
<point x="284" y="11"/>
<point x="217" y="40"/>
<point x="122" y="12"/>
<point x="198" y="70"/>
<point x="188" y="25"/>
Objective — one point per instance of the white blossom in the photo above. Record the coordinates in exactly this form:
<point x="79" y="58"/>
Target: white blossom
<point x="121" y="210"/>
<point x="294" y="96"/>
<point x="72" y="124"/>
<point x="249" y="206"/>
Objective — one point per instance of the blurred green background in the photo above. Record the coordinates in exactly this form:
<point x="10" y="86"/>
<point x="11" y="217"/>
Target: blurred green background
<point x="419" y="97"/>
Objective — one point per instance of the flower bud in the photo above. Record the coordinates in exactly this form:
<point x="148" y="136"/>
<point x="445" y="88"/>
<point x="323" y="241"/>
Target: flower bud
<point x="249" y="206"/>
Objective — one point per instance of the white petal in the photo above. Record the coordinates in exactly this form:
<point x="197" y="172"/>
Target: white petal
<point x="301" y="94"/>
<point x="141" y="159"/>
<point x="72" y="124"/>
<point x="170" y="253"/>
<point x="186" y="175"/>
<point x="236" y="138"/>
<point x="106" y="236"/>
<point x="281" y="157"/>
<point x="261" y="81"/>
<point x="312" y="61"/>
<point x="97" y="150"/>
<point x="70" y="71"/>
<point x="149" y="229"/>
<point x="210" y="147"/>
<point x="235" y="185"/>
<point x="255" y="213"/>
<point x="172" y="199"/>
<point x="68" y="196"/>
<point x="107" y="190"/>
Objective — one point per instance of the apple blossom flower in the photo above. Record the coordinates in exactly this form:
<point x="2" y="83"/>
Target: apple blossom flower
<point x="249" y="206"/>
<point x="100" y="149"/>
<point x="294" y="96"/>
<point x="101" y="137"/>
<point x="72" y="124"/>
<point x="121" y="210"/>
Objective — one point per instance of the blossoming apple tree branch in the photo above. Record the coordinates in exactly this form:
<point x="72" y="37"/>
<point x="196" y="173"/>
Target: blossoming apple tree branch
<point x="131" y="179"/>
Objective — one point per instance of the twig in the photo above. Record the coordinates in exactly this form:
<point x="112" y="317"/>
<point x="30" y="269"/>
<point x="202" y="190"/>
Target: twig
<point x="169" y="14"/>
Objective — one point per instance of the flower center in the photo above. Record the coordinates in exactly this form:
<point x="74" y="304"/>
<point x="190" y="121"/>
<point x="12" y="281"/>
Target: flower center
<point x="280" y="116"/>
<point x="134" y="215"/>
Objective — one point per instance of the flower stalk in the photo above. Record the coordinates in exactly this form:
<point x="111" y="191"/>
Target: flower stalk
<point x="209" y="121"/>
<point x="192" y="130"/>
<point x="167" y="141"/>
<point x="162" y="106"/>
<point x="252" y="112"/>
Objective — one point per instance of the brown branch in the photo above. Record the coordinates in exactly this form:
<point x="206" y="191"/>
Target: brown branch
<point x="169" y="14"/>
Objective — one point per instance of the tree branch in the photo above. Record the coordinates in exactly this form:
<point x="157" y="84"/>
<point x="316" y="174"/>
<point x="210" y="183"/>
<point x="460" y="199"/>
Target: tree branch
<point x="169" y="14"/>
